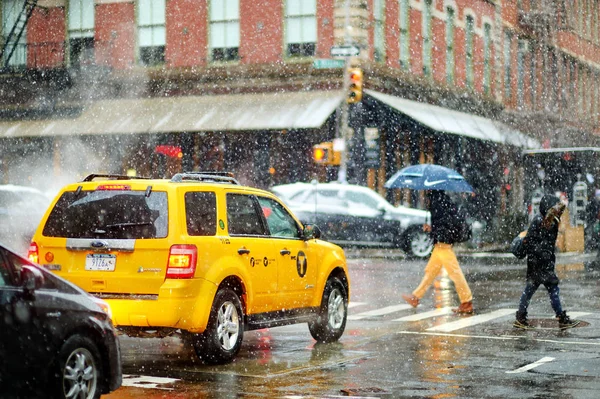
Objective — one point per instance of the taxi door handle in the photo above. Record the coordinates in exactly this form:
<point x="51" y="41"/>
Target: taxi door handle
<point x="243" y="251"/>
<point x="284" y="252"/>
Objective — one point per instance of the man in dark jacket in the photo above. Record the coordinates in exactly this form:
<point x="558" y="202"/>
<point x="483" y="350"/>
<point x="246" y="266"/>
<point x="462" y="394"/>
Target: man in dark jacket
<point x="540" y="243"/>
<point x="443" y="232"/>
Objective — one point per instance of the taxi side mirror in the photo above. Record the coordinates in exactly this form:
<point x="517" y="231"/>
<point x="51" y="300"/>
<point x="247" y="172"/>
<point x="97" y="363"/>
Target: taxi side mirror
<point x="311" y="231"/>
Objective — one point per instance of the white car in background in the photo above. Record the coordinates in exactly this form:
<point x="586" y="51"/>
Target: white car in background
<point x="21" y="209"/>
<point x="352" y="215"/>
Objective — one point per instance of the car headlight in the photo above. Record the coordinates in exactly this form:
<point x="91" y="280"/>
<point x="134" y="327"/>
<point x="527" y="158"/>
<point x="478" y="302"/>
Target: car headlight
<point x="104" y="305"/>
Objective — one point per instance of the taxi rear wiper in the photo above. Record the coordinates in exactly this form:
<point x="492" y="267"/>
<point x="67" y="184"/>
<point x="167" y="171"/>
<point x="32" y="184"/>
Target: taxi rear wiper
<point x="100" y="230"/>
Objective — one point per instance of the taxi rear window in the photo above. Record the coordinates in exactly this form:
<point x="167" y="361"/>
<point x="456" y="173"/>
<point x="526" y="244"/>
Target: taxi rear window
<point x="109" y="214"/>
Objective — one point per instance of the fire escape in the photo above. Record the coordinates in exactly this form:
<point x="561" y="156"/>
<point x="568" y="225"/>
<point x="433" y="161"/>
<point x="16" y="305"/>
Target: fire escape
<point x="14" y="36"/>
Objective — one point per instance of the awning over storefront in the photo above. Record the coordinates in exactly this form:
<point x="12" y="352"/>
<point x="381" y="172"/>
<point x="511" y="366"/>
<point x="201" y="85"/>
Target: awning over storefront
<point x="454" y="122"/>
<point x="263" y="111"/>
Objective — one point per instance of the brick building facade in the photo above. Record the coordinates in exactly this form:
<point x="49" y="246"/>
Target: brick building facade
<point x="118" y="76"/>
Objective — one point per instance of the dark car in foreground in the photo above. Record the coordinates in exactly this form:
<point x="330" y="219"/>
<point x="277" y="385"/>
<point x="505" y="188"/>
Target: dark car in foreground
<point x="353" y="215"/>
<point x="54" y="337"/>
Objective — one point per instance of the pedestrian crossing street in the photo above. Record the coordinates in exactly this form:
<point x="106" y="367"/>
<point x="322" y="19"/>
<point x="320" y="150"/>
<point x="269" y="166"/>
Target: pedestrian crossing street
<point x="464" y="321"/>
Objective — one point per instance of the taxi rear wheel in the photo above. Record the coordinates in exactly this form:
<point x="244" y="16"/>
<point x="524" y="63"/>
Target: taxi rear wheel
<point x="330" y="323"/>
<point x="222" y="339"/>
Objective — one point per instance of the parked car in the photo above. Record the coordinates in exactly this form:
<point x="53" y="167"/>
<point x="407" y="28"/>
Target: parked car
<point x="352" y="215"/>
<point x="198" y="252"/>
<point x="21" y="209"/>
<point x="55" y="338"/>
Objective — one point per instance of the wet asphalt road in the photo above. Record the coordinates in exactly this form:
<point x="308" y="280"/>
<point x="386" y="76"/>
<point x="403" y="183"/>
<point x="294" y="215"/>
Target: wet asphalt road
<point x="390" y="351"/>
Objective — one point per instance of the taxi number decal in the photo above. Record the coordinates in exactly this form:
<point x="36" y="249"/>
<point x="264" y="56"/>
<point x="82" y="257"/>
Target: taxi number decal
<point x="301" y="264"/>
<point x="225" y="241"/>
<point x="265" y="261"/>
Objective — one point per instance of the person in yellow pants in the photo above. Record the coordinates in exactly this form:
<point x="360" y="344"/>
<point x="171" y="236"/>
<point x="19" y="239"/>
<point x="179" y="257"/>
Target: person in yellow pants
<point x="442" y="231"/>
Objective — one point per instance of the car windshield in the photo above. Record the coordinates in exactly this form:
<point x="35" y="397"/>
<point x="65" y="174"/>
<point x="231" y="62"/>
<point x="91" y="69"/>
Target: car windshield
<point x="109" y="214"/>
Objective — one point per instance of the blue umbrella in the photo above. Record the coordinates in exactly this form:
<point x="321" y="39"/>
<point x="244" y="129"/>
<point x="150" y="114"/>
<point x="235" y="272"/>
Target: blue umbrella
<point x="429" y="177"/>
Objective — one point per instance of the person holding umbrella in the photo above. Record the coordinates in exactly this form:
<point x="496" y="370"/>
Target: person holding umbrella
<point x="435" y="180"/>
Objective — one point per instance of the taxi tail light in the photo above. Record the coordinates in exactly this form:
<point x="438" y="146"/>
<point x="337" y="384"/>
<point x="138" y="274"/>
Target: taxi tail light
<point x="33" y="253"/>
<point x="182" y="261"/>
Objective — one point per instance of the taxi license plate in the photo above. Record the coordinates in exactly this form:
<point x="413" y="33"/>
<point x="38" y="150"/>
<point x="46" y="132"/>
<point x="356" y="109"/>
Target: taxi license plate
<point x="101" y="262"/>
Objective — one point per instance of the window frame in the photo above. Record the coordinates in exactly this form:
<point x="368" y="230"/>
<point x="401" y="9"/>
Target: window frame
<point x="379" y="42"/>
<point x="469" y="51"/>
<point x="508" y="36"/>
<point x="450" y="36"/>
<point x="487" y="57"/>
<point x="426" y="34"/>
<point x="404" y="39"/>
<point x="234" y="56"/>
<point x="306" y="49"/>
<point x="154" y="55"/>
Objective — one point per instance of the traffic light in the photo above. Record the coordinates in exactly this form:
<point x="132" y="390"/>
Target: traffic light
<point x="324" y="154"/>
<point x="356" y="82"/>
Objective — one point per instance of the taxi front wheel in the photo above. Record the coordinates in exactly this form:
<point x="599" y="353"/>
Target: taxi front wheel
<point x="330" y="323"/>
<point x="222" y="339"/>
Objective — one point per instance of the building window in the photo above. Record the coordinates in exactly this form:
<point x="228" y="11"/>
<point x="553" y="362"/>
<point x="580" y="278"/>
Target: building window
<point x="450" y="24"/>
<point x="521" y="53"/>
<point x="404" y="34"/>
<point x="81" y="31"/>
<point x="301" y="27"/>
<point x="224" y="30"/>
<point x="427" y="37"/>
<point x="487" y="57"/>
<point x="507" y="64"/>
<point x="11" y="10"/>
<point x="379" y="34"/>
<point x="469" y="31"/>
<point x="151" y="31"/>
<point x="533" y="77"/>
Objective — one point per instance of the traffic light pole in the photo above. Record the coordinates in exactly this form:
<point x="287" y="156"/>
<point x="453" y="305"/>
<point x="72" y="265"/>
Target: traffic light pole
<point x="344" y="128"/>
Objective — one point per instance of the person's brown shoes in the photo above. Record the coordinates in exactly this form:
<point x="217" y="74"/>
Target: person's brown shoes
<point x="464" y="308"/>
<point x="411" y="300"/>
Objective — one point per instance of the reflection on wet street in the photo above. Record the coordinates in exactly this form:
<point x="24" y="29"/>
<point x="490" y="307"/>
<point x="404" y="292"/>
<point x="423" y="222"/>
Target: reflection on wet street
<point x="390" y="350"/>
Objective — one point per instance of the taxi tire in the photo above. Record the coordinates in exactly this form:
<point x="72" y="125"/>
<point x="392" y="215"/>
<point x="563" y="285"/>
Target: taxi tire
<point x="208" y="345"/>
<point x="334" y="295"/>
<point x="75" y="350"/>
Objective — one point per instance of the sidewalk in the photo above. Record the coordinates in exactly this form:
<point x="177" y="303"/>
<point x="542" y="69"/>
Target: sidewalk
<point x="489" y="251"/>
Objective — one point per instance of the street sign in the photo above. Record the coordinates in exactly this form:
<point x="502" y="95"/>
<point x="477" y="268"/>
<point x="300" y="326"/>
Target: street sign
<point x="344" y="51"/>
<point x="372" y="148"/>
<point x="328" y="63"/>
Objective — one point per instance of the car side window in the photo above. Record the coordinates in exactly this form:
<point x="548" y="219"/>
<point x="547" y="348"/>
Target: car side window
<point x="362" y="198"/>
<point x="5" y="276"/>
<point x="243" y="217"/>
<point x="325" y="197"/>
<point x="201" y="213"/>
<point x="16" y="263"/>
<point x="280" y="222"/>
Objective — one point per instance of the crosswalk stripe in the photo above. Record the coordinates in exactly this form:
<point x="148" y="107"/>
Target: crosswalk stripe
<point x="355" y="304"/>
<point x="425" y="315"/>
<point x="531" y="366"/>
<point x="380" y="312"/>
<point x="472" y="320"/>
<point x="575" y="315"/>
<point x="146" y="381"/>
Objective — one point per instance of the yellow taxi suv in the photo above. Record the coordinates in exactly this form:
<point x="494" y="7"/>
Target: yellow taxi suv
<point x="198" y="253"/>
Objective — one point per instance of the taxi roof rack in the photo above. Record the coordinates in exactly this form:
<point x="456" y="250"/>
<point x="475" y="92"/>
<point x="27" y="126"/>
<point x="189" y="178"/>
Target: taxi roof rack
<point x="217" y="177"/>
<point x="110" y="176"/>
